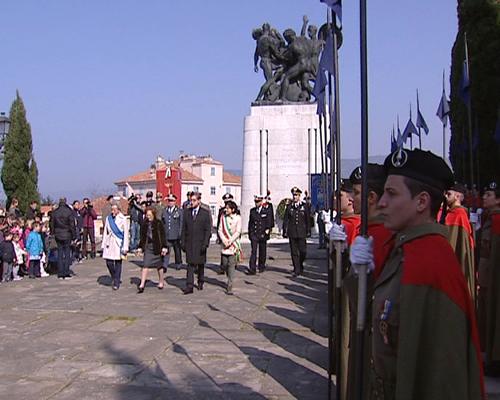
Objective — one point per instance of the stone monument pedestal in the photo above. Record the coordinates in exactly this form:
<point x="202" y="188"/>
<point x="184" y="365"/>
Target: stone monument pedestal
<point x="281" y="149"/>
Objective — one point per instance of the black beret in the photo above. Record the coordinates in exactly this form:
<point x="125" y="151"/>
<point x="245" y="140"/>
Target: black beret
<point x="149" y="194"/>
<point x="227" y="196"/>
<point x="376" y="174"/>
<point x="494" y="187"/>
<point x="459" y="187"/>
<point x="422" y="166"/>
<point x="296" y="190"/>
<point x="346" y="186"/>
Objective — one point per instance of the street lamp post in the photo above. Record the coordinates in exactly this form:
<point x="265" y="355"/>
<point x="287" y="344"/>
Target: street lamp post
<point x="4" y="130"/>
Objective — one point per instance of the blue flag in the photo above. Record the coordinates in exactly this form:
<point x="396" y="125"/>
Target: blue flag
<point x="399" y="140"/>
<point x="475" y="140"/>
<point x="319" y="91"/>
<point x="336" y="6"/>
<point x="409" y="130"/>
<point x="394" y="143"/>
<point x="465" y="80"/>
<point x="443" y="109"/>
<point x="420" y="119"/>
<point x="326" y="59"/>
<point x="496" y="135"/>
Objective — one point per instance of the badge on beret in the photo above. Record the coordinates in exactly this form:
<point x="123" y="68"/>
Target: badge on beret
<point x="493" y="186"/>
<point x="357" y="173"/>
<point x="399" y="158"/>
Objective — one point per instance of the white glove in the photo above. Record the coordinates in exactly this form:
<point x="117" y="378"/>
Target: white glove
<point x="337" y="233"/>
<point x="361" y="253"/>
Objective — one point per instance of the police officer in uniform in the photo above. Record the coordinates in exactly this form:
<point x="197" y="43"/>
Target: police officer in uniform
<point x="172" y="221"/>
<point x="260" y="223"/>
<point x="422" y="315"/>
<point x="296" y="227"/>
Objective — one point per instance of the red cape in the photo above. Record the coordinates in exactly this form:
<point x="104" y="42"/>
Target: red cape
<point x="430" y="261"/>
<point x="351" y="223"/>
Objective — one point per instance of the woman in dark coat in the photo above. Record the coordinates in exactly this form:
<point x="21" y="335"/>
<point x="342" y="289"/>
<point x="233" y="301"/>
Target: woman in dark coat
<point x="154" y="246"/>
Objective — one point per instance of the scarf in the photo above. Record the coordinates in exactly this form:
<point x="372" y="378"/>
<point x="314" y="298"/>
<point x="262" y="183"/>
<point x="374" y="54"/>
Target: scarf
<point x="236" y="244"/>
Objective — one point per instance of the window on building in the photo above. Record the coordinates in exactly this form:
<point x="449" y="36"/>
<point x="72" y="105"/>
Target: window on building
<point x="196" y="189"/>
<point x="212" y="171"/>
<point x="124" y="192"/>
<point x="213" y="210"/>
<point x="228" y="189"/>
<point x="212" y="190"/>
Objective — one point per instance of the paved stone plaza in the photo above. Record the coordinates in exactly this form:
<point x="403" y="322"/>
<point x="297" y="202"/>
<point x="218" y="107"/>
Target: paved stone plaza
<point x="79" y="339"/>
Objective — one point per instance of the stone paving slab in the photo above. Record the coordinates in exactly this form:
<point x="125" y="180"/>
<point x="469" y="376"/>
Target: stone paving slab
<point x="79" y="339"/>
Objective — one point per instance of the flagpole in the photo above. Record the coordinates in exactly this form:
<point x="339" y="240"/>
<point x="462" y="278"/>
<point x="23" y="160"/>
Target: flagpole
<point x="444" y="125"/>
<point x="335" y="182"/>
<point x="418" y="125"/>
<point x="362" y="269"/>
<point x="469" y="112"/>
<point x="323" y="177"/>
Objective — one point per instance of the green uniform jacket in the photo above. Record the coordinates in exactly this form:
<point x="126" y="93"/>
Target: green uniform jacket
<point x="425" y="343"/>
<point x="462" y="242"/>
<point x="493" y="292"/>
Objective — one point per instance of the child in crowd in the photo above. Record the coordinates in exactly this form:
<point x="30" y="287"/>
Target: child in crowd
<point x="44" y="232"/>
<point x="20" y="257"/>
<point x="8" y="255"/>
<point x="34" y="247"/>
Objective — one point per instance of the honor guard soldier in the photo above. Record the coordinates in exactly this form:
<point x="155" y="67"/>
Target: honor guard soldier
<point x="260" y="224"/>
<point x="422" y="315"/>
<point x="460" y="233"/>
<point x="172" y="217"/>
<point x="489" y="279"/>
<point x="296" y="227"/>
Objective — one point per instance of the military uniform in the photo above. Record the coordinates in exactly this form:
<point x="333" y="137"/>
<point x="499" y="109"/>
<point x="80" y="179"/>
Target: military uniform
<point x="296" y="226"/>
<point x="425" y="342"/>
<point x="172" y="220"/>
<point x="259" y="221"/>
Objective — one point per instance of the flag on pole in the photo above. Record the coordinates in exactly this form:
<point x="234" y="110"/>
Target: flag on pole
<point x="420" y="119"/>
<point x="409" y="130"/>
<point x="326" y="59"/>
<point x="496" y="135"/>
<point x="465" y="81"/>
<point x="444" y="109"/>
<point x="394" y="143"/>
<point x="336" y="6"/>
<point x="399" y="140"/>
<point x="319" y="91"/>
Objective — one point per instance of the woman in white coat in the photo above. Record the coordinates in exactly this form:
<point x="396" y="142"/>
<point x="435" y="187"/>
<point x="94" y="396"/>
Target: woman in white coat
<point x="115" y="243"/>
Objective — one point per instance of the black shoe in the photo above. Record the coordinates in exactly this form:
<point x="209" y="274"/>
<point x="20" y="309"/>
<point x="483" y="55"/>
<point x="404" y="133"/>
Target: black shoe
<point x="250" y="272"/>
<point x="32" y="277"/>
<point x="200" y="286"/>
<point x="220" y="271"/>
<point x="177" y="267"/>
<point x="295" y="274"/>
<point x="262" y="269"/>
<point x="140" y="289"/>
<point x="160" y="287"/>
<point x="187" y="291"/>
<point x="92" y="256"/>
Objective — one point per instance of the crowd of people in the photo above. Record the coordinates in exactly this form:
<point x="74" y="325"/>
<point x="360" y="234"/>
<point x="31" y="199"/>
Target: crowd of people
<point x="434" y="280"/>
<point x="433" y="287"/>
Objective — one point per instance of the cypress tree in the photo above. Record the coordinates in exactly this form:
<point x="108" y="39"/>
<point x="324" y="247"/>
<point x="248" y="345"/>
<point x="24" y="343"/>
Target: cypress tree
<point x="480" y="19"/>
<point x="19" y="172"/>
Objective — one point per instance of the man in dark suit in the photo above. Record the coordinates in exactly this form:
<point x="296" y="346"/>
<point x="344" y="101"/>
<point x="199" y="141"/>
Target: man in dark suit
<point x="260" y="223"/>
<point x="296" y="226"/>
<point x="172" y="218"/>
<point x="195" y="239"/>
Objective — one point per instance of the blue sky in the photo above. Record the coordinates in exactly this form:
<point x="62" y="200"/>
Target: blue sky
<point x="109" y="85"/>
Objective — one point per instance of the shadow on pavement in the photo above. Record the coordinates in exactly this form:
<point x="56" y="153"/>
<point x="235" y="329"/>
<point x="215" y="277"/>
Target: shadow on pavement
<point x="152" y="382"/>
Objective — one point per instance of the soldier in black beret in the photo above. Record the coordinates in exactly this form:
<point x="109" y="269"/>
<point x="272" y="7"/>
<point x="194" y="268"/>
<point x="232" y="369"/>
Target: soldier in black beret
<point x="420" y="295"/>
<point x="296" y="227"/>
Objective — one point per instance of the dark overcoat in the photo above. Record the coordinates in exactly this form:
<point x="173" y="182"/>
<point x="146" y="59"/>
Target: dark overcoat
<point x="195" y="235"/>
<point x="159" y="241"/>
